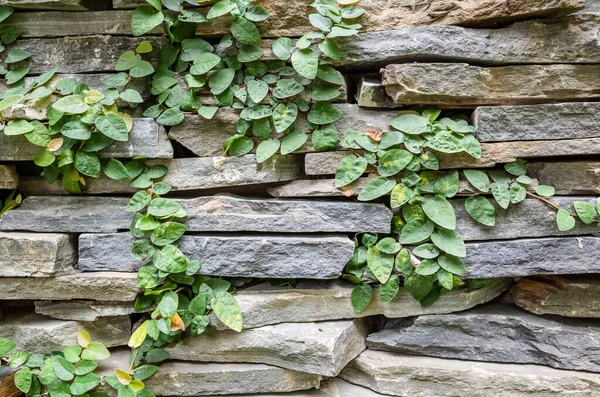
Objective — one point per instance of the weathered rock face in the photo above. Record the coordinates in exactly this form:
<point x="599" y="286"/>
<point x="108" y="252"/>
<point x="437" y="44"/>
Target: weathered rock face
<point x="567" y="296"/>
<point x="323" y="301"/>
<point x="8" y="177"/>
<point x="537" y="122"/>
<point x="67" y="5"/>
<point x="83" y="310"/>
<point x="36" y="255"/>
<point x="580" y="177"/>
<point x="370" y="93"/>
<point x="460" y="85"/>
<point x="316" y="348"/>
<point x="104" y="286"/>
<point x="496" y="333"/>
<point x="38" y="334"/>
<point x="412" y="376"/>
<point x="210" y="214"/>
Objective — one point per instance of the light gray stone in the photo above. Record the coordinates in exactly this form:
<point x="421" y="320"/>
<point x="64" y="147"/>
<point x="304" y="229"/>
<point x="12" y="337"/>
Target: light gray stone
<point x="537" y="122"/>
<point x="67" y="5"/>
<point x="462" y="85"/>
<point x="591" y="6"/>
<point x="34" y="333"/>
<point x="370" y="93"/>
<point x="262" y="256"/>
<point x="414" y="376"/>
<point x="8" y="177"/>
<point x="79" y="310"/>
<point x="205" y="214"/>
<point x="184" y="379"/>
<point x="577" y="177"/>
<point x="103" y="286"/>
<point x="567" y="296"/>
<point x="496" y="333"/>
<point x="147" y="138"/>
<point x="323" y="301"/>
<point x="315" y="348"/>
<point x="36" y="255"/>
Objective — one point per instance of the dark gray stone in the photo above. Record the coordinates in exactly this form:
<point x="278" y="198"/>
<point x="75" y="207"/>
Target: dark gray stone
<point x="573" y="177"/>
<point x="80" y="310"/>
<point x="8" y="177"/>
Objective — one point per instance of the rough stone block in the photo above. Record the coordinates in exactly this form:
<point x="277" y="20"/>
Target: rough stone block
<point x="414" y="376"/>
<point x="67" y="5"/>
<point x="578" y="177"/>
<point x="8" y="177"/>
<point x="80" y="310"/>
<point x="496" y="333"/>
<point x="370" y="93"/>
<point x="104" y="286"/>
<point x="34" y="333"/>
<point x="316" y="348"/>
<point x="462" y="85"/>
<point x="36" y="255"/>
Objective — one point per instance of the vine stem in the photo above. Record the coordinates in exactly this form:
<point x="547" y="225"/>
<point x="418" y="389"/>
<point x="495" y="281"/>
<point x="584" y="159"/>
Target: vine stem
<point x="133" y="359"/>
<point x="547" y="202"/>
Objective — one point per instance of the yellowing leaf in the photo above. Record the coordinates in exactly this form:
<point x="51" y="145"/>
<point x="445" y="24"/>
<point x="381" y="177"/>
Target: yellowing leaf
<point x="55" y="144"/>
<point x="110" y="109"/>
<point x="347" y="2"/>
<point x="138" y="337"/>
<point x="137" y="385"/>
<point x="128" y="120"/>
<point x="92" y="96"/>
<point x="177" y="323"/>
<point x="123" y="377"/>
<point x="83" y="338"/>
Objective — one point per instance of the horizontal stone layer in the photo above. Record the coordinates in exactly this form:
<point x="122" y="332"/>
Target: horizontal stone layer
<point x="577" y="177"/>
<point x="102" y="286"/>
<point x="407" y="375"/>
<point x="147" y="138"/>
<point x="34" y="333"/>
<point x="67" y="5"/>
<point x="204" y="214"/>
<point x="323" y="301"/>
<point x="263" y="256"/>
<point x="462" y="85"/>
<point x="199" y="379"/>
<point x="83" y="310"/>
<point x="36" y="255"/>
<point x="316" y="348"/>
<point x="537" y="122"/>
<point x="8" y="177"/>
<point x="567" y="296"/>
<point x="496" y="333"/>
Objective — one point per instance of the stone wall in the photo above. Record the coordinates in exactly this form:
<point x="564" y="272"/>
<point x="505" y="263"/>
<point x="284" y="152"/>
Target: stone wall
<point x="529" y="74"/>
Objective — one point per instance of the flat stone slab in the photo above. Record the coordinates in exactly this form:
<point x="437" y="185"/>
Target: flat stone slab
<point x="406" y="375"/>
<point x="147" y="138"/>
<point x="496" y="333"/>
<point x="185" y="379"/>
<point x="34" y="333"/>
<point x="8" y="177"/>
<point x="537" y="122"/>
<point x="316" y="348"/>
<point x="567" y="296"/>
<point x="314" y="301"/>
<point x="103" y="286"/>
<point x="36" y="255"/>
<point x="370" y="93"/>
<point x="79" y="310"/>
<point x="462" y="85"/>
<point x="205" y="214"/>
<point x="577" y="177"/>
<point x="67" y="5"/>
<point x="189" y="174"/>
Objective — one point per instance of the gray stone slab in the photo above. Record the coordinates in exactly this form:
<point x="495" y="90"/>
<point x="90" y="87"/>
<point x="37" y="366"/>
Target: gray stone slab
<point x="205" y="214"/>
<point x="537" y="122"/>
<point x="370" y="93"/>
<point x="414" y="376"/>
<point x="103" y="286"/>
<point x="261" y="256"/>
<point x="574" y="177"/>
<point x="34" y="333"/>
<point x="496" y="333"/>
<point x="67" y="5"/>
<point x="79" y="310"/>
<point x="36" y="254"/>
<point x="316" y="348"/>
<point x="463" y="85"/>
<point x="8" y="177"/>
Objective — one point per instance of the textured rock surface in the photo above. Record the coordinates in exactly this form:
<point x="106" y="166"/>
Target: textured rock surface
<point x="8" y="177"/>
<point x="578" y="177"/>
<point x="214" y="213"/>
<point x="67" y="5"/>
<point x="567" y="296"/>
<point x="371" y="94"/>
<point x="322" y="301"/>
<point x="316" y="348"/>
<point x="537" y="122"/>
<point x="412" y="376"/>
<point x="83" y="310"/>
<point x="105" y="286"/>
<point x="38" y="334"/>
<point x="496" y="333"/>
<point x="147" y="139"/>
<point x="177" y="378"/>
<point x="36" y="255"/>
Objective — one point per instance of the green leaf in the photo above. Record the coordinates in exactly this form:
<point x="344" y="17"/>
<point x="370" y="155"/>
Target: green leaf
<point x="481" y="209"/>
<point x="418" y="286"/>
<point x="171" y="117"/>
<point x="306" y="63"/>
<point x="284" y="116"/>
<point x="157" y="355"/>
<point x="585" y="211"/>
<point x="221" y="8"/>
<point x="427" y="267"/>
<point x="411" y="124"/>
<point x="245" y="32"/>
<point x="448" y="184"/>
<point x="227" y="310"/>
<point x="71" y="104"/>
<point x="113" y="126"/>
<point x="144" y="372"/>
<point x="401" y="195"/>
<point x="256" y="113"/>
<point x="126" y="61"/>
<point x="517" y="193"/>
<point x="516" y="168"/>
<point x="478" y="179"/>
<point x="282" y="48"/>
<point x="257" y="14"/>
<point x="445" y="142"/>
<point x="324" y="93"/>
<point x="266" y="149"/>
<point x="426" y="251"/>
<point x="416" y="231"/>
<point x="292" y="142"/>
<point x="221" y="81"/>
<point x="142" y="250"/>
<point x="142" y="69"/>
<point x="168" y="233"/>
<point x="388" y="245"/>
<point x="239" y="145"/>
<point x="170" y="260"/>
<point x="204" y="63"/>
<point x="63" y="368"/>
<point x="286" y="88"/>
<point x="375" y="188"/>
<point x="15" y="55"/>
<point x="168" y="304"/>
<point x="5" y="12"/>
<point x="349" y="169"/>
<point x="330" y="48"/>
<point x="198" y="305"/>
<point x="445" y="279"/>
<point x="450" y="242"/>
<point x="18" y="127"/>
<point x="325" y="138"/>
<point x="114" y="169"/>
<point x="95" y="351"/>
<point x="16" y="74"/>
<point x="330" y="75"/>
<point x="564" y="220"/>
<point x="453" y="264"/>
<point x="258" y="90"/>
<point x="389" y="290"/>
<point x="403" y="262"/>
<point x="17" y="359"/>
<point x="43" y="158"/>
<point x="76" y="130"/>
<point x="501" y="194"/>
<point x="131" y="96"/>
<point x="88" y="164"/>
<point x="393" y="161"/>
<point x="162" y="207"/>
<point x="380" y="263"/>
<point x="85" y="367"/>
<point x="545" y="191"/>
<point x="323" y="113"/>
<point x="6" y="346"/>
<point x="85" y="383"/>
<point x="23" y="379"/>
<point x="144" y="19"/>
<point x="361" y="297"/>
<point x="440" y="211"/>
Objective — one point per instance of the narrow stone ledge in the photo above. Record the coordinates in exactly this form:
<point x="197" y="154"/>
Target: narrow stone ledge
<point x="496" y="333"/>
<point x="567" y="296"/>
<point x="407" y="375"/>
<point x="36" y="255"/>
<point x="204" y="214"/>
<point x="8" y="177"/>
<point x="66" y="5"/>
<point x="578" y="177"/>
<point x="461" y="85"/>
<point x="34" y="333"/>
<point x="103" y="286"/>
<point x="315" y="348"/>
<point x="79" y="310"/>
